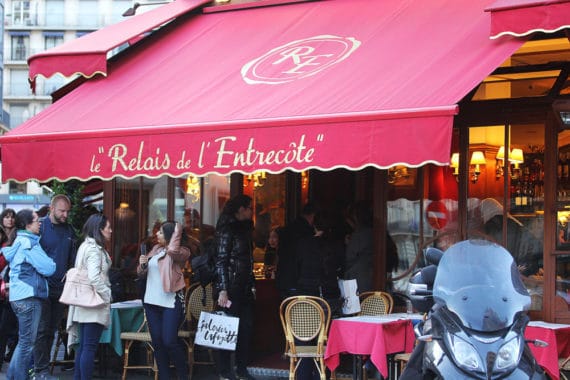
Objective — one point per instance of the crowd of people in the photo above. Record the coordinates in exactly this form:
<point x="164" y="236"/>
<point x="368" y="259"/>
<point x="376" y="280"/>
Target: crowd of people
<point x="306" y="256"/>
<point x="35" y="256"/>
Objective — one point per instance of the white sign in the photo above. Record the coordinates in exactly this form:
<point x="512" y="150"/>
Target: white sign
<point x="217" y="331"/>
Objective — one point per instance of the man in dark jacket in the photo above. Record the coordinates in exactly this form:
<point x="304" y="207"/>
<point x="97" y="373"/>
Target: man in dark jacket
<point x="234" y="283"/>
<point x="58" y="241"/>
<point x="287" y="273"/>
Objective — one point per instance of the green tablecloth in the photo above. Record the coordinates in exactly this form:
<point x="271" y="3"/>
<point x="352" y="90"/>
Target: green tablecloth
<point x="122" y="320"/>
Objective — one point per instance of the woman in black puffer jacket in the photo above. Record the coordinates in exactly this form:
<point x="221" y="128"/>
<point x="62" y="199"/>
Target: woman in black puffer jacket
<point x="234" y="284"/>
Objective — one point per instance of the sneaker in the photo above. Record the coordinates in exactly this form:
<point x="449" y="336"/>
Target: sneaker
<point x="68" y="367"/>
<point x="228" y="376"/>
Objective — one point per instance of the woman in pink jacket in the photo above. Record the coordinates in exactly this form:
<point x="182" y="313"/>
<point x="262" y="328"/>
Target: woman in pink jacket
<point x="164" y="298"/>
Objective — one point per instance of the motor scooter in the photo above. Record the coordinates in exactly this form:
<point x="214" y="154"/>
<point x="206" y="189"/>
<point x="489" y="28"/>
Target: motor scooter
<point x="476" y="307"/>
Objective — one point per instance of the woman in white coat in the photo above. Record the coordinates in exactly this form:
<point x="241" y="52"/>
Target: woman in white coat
<point x="90" y="322"/>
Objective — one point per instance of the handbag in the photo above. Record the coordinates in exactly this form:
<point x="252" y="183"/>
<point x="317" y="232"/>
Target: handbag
<point x="78" y="291"/>
<point x="348" y="292"/>
<point x="217" y="330"/>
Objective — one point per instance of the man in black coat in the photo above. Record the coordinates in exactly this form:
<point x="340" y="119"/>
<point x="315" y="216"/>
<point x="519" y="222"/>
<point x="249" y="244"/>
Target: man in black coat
<point x="287" y="272"/>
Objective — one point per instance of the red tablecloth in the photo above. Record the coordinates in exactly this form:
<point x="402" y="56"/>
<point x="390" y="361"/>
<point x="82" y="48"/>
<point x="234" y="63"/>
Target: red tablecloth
<point x="377" y="339"/>
<point x="558" y="340"/>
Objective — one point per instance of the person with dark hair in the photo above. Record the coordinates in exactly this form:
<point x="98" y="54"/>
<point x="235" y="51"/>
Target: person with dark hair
<point x="8" y="222"/>
<point x="58" y="241"/>
<point x="359" y="258"/>
<point x="234" y="284"/>
<point x="319" y="258"/>
<point x="43" y="211"/>
<point x="164" y="298"/>
<point x="8" y="320"/>
<point x="29" y="267"/>
<point x="88" y="322"/>
<point x="271" y="249"/>
<point x="287" y="273"/>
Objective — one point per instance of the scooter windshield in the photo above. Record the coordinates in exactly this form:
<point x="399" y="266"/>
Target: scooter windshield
<point x="479" y="282"/>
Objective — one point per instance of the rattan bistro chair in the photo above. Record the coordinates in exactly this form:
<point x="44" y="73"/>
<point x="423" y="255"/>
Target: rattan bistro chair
<point x="305" y="321"/>
<point x="376" y="303"/>
<point x="141" y="336"/>
<point x="198" y="299"/>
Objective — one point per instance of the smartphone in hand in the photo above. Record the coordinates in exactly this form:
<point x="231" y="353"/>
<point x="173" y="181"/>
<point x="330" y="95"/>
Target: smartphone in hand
<point x="143" y="253"/>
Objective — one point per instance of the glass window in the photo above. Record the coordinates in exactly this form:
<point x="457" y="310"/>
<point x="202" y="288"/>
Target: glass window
<point x="17" y="188"/>
<point x="19" y="85"/>
<point x="52" y="41"/>
<point x="118" y="7"/>
<point x="562" y="281"/>
<point x="51" y="84"/>
<point x="199" y="203"/>
<point x="506" y="190"/>
<point x="20" y="48"/>
<point x="21" y="13"/>
<point x="563" y="190"/>
<point x="18" y="114"/>
<point x="268" y="194"/>
<point x="54" y="13"/>
<point x="88" y="16"/>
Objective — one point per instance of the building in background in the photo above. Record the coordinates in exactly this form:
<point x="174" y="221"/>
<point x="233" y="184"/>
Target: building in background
<point x="30" y="27"/>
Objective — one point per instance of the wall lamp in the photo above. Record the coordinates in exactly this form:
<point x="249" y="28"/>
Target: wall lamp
<point x="477" y="159"/>
<point x="454" y="163"/>
<point x="132" y="10"/>
<point x="516" y="157"/>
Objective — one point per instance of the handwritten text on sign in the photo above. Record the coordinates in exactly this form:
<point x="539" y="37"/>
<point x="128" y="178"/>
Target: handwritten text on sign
<point x="221" y="153"/>
<point x="217" y="331"/>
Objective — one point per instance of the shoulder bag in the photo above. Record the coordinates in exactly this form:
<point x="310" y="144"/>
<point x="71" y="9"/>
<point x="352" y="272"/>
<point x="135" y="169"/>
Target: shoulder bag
<point x="78" y="291"/>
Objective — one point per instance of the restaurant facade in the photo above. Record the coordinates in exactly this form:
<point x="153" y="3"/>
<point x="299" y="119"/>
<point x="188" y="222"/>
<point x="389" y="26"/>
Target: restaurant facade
<point x="426" y="110"/>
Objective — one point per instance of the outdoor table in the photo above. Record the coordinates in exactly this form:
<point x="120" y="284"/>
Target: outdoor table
<point x="376" y="336"/>
<point x="558" y="338"/>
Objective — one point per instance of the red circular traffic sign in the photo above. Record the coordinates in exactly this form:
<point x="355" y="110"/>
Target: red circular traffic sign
<point x="437" y="215"/>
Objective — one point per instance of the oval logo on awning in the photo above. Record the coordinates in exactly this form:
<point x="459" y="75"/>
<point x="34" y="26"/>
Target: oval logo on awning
<point x="299" y="59"/>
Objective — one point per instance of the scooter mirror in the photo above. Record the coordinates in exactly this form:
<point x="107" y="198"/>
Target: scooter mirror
<point x="538" y="343"/>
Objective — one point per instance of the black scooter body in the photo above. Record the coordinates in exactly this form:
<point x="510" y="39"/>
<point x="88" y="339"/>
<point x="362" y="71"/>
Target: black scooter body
<point x="469" y="313"/>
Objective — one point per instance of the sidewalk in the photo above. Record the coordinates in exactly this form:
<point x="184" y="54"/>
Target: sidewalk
<point x="200" y="373"/>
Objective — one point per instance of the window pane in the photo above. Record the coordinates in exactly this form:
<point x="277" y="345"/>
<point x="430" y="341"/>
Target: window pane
<point x="562" y="281"/>
<point x="88" y="14"/>
<point x="517" y="168"/>
<point x="20" y="48"/>
<point x="54" y="13"/>
<point x="19" y="83"/>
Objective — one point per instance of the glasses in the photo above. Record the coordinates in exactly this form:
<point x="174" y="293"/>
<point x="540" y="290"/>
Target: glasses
<point x="36" y="221"/>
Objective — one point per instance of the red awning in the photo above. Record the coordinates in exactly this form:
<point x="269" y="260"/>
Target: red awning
<point x="87" y="55"/>
<point x="523" y="17"/>
<point x="329" y="84"/>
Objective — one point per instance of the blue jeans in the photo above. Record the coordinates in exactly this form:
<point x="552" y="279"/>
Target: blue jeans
<point x="89" y="334"/>
<point x="28" y="311"/>
<point x="163" y="324"/>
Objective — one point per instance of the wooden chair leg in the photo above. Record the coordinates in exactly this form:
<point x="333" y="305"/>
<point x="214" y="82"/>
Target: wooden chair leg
<point x="126" y="360"/>
<point x="292" y="367"/>
<point x="321" y="364"/>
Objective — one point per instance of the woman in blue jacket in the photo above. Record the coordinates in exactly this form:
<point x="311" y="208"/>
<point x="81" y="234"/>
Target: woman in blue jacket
<point x="29" y="267"/>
